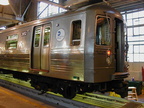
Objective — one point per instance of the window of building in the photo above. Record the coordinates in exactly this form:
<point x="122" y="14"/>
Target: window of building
<point x="46" y="10"/>
<point x="76" y="32"/>
<point x="103" y="31"/>
<point x="135" y="31"/>
<point x="11" y="42"/>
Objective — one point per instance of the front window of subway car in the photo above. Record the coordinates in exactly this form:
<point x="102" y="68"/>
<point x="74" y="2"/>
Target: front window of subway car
<point x="103" y="31"/>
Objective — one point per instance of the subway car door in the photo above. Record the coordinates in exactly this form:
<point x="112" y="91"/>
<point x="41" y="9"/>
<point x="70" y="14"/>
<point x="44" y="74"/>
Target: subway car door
<point x="40" y="48"/>
<point x="104" y="50"/>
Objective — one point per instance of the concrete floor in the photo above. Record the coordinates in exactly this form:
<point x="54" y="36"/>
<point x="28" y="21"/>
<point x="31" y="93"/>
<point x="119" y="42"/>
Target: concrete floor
<point x="11" y="99"/>
<point x="141" y="98"/>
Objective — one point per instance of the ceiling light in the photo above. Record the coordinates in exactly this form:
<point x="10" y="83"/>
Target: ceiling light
<point x="4" y="2"/>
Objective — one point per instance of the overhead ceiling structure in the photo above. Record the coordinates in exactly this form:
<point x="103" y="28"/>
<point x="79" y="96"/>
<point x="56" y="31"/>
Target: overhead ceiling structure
<point x="15" y="12"/>
<point x="125" y="5"/>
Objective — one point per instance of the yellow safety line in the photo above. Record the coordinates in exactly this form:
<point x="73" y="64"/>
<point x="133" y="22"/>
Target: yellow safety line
<point x="25" y="100"/>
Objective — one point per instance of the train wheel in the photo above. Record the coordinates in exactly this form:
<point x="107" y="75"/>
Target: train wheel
<point x="123" y="90"/>
<point x="69" y="91"/>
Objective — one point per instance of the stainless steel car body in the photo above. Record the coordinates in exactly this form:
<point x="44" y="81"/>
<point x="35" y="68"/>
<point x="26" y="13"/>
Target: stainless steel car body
<point x="86" y="62"/>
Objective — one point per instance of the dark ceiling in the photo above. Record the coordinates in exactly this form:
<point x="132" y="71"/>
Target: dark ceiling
<point x="16" y="11"/>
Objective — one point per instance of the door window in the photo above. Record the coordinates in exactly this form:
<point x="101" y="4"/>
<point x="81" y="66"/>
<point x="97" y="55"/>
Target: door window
<point x="37" y="36"/>
<point x="103" y="31"/>
<point x="46" y="36"/>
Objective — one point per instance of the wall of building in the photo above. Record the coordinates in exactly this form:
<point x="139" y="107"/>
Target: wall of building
<point x="135" y="70"/>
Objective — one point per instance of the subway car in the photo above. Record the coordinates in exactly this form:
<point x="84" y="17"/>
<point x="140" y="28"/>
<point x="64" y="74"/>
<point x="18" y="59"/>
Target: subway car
<point x="74" y="52"/>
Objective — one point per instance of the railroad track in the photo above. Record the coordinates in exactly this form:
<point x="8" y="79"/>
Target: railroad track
<point x="88" y="100"/>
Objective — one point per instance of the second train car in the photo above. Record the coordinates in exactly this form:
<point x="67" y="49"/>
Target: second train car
<point x="75" y="52"/>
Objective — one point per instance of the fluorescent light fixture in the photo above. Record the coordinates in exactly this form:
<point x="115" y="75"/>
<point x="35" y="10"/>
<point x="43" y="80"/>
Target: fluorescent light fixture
<point x="2" y="28"/>
<point x="4" y="2"/>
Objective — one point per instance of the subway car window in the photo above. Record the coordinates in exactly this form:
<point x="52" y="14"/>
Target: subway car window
<point x="46" y="36"/>
<point x="76" y="32"/>
<point x="37" y="36"/>
<point x="103" y="31"/>
<point x="11" y="42"/>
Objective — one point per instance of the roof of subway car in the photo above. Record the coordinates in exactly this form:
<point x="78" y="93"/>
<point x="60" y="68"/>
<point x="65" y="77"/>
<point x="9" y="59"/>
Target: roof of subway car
<point x="102" y="7"/>
<point x="105" y="8"/>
